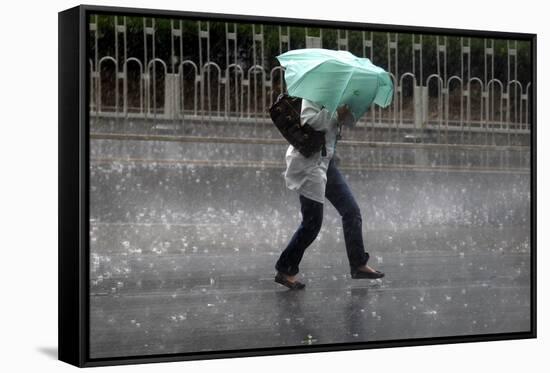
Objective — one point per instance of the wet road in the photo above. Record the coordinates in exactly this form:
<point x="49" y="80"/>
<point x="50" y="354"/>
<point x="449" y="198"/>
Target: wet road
<point x="182" y="261"/>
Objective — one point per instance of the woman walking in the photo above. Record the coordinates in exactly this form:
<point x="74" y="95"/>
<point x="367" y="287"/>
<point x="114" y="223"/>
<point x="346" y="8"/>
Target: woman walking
<point x="317" y="178"/>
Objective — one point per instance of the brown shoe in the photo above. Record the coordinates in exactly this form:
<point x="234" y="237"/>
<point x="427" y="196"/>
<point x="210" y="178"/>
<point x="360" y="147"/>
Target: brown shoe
<point x="281" y="279"/>
<point x="356" y="273"/>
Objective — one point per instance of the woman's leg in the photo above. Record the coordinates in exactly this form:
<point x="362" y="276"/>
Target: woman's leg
<point x="312" y="219"/>
<point x="341" y="197"/>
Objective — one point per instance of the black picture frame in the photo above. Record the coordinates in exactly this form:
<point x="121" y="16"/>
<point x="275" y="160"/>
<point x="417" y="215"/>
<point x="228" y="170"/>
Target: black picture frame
<point x="74" y="164"/>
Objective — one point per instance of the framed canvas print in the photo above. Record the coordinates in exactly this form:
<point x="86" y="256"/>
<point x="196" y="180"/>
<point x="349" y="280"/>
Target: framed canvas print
<point x="234" y="186"/>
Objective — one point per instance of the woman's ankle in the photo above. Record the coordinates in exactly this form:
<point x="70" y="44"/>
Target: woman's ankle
<point x="290" y="278"/>
<point x="366" y="268"/>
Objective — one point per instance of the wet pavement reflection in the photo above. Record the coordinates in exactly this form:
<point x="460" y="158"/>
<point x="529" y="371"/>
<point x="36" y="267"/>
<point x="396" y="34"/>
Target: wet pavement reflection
<point x="182" y="260"/>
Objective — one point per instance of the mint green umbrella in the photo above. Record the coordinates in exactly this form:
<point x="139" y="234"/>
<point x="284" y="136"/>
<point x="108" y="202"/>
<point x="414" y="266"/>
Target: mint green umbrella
<point x="333" y="78"/>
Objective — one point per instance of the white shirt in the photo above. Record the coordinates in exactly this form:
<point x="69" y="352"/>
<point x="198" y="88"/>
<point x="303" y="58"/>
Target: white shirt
<point x="308" y="176"/>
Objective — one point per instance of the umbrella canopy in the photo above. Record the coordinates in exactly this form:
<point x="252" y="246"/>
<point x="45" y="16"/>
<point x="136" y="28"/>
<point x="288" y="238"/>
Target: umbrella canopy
<point x="333" y="78"/>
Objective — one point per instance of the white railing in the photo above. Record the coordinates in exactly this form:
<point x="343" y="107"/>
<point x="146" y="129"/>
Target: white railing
<point x="149" y="88"/>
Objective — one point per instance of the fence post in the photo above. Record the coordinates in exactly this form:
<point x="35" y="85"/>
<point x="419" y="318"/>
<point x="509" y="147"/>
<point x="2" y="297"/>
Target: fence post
<point x="172" y="96"/>
<point x="420" y="97"/>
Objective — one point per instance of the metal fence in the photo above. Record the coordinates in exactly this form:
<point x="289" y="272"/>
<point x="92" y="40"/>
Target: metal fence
<point x="154" y="81"/>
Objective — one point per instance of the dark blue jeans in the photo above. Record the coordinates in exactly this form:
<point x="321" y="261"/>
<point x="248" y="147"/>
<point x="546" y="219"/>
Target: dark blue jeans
<point x="341" y="197"/>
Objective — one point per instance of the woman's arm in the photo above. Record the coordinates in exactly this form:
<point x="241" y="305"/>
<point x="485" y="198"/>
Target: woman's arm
<point x="314" y="115"/>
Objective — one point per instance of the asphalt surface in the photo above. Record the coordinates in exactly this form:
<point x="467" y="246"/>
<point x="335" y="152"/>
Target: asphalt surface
<point x="182" y="259"/>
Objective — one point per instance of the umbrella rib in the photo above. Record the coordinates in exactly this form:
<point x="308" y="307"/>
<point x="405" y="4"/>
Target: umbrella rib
<point x="301" y="79"/>
<point x="346" y="87"/>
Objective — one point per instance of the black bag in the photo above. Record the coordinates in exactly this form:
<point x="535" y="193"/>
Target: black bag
<point x="285" y="113"/>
